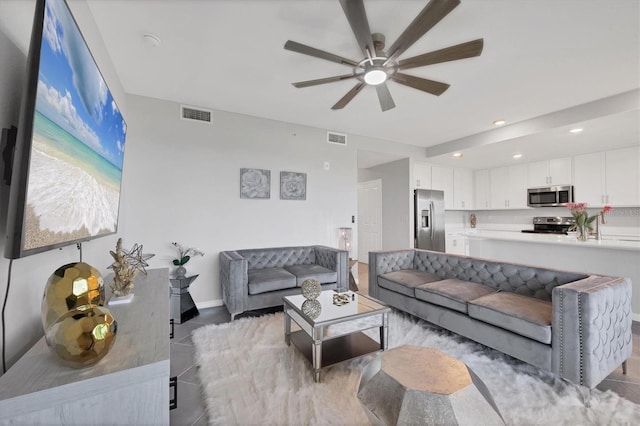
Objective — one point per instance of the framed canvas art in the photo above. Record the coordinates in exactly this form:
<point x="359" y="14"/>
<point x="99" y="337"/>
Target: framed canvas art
<point x="293" y="186"/>
<point x="255" y="183"/>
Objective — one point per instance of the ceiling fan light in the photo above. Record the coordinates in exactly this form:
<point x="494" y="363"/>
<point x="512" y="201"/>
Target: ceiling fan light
<point x="375" y="76"/>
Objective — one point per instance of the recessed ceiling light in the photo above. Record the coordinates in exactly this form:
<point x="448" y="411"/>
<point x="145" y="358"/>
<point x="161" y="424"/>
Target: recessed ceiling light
<point x="499" y="122"/>
<point x="576" y="130"/>
<point x="517" y="156"/>
<point x="152" y="39"/>
<point x="457" y="155"/>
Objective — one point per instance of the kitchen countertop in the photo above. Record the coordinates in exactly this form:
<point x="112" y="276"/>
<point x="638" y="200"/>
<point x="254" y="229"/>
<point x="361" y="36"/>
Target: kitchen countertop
<point x="608" y="242"/>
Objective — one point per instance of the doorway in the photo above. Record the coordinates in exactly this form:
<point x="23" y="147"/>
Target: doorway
<point x="369" y="218"/>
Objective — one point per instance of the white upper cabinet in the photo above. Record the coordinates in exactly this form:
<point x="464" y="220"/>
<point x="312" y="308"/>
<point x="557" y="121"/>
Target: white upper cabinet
<point x="550" y="172"/>
<point x="442" y="180"/>
<point x="421" y="176"/>
<point x="609" y="177"/>
<point x="499" y="178"/>
<point x="462" y="189"/>
<point x="518" y="186"/>
<point x="621" y="177"/>
<point x="589" y="178"/>
<point x="482" y="190"/>
<point x="509" y="187"/>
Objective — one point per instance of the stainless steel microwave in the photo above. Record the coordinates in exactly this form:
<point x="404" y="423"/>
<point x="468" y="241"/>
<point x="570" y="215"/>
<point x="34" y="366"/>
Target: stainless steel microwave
<point x="550" y="196"/>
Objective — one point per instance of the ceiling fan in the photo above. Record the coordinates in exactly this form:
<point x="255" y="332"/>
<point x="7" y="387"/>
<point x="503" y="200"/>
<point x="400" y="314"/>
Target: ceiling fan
<point x="379" y="65"/>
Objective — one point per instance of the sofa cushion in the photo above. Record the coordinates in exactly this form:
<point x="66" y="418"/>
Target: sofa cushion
<point x="269" y="279"/>
<point x="304" y="272"/>
<point x="524" y="315"/>
<point x="452" y="293"/>
<point x="405" y="281"/>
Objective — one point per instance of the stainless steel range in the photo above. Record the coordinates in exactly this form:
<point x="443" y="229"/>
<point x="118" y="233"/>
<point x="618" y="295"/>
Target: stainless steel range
<point x="550" y="225"/>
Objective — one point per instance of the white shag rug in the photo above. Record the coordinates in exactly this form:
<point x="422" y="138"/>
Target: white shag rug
<point x="250" y="376"/>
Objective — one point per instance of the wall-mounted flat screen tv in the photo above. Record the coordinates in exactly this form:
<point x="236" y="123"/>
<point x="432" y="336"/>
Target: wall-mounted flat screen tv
<point x="67" y="166"/>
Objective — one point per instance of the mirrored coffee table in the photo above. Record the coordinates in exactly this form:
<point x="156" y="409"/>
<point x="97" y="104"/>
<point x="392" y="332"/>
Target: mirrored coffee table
<point x="323" y="345"/>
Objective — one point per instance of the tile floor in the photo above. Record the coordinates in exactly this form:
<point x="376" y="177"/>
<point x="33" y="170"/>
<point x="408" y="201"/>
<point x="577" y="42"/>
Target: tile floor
<point x="191" y="407"/>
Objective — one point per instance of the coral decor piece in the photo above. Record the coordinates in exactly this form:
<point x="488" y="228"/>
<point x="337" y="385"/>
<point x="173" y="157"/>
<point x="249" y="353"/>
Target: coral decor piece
<point x="583" y="222"/>
<point x="126" y="266"/>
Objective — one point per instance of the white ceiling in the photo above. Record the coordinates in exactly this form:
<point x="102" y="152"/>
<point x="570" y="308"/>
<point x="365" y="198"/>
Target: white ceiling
<point x="539" y="56"/>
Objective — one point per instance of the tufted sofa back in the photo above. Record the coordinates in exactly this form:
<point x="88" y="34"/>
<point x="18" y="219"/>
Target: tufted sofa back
<point x="278" y="257"/>
<point x="515" y="278"/>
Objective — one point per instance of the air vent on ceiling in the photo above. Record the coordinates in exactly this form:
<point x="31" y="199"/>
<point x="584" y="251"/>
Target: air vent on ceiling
<point x="190" y="113"/>
<point x="337" y="138"/>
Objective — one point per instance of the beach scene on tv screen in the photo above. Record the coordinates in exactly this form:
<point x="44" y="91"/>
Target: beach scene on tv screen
<point x="78" y="142"/>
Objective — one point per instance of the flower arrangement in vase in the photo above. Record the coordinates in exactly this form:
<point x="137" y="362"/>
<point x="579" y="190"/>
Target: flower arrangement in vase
<point x="583" y="223"/>
<point x="184" y="255"/>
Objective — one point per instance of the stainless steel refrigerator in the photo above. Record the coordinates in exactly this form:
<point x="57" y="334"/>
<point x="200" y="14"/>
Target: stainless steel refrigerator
<point x="429" y="219"/>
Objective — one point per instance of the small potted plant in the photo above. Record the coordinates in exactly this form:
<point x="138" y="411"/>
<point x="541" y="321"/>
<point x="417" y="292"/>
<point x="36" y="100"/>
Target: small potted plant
<point x="184" y="255"/>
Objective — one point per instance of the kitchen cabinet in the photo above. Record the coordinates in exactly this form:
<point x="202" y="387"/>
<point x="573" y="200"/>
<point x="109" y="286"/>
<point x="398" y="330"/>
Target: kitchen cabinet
<point x="499" y="180"/>
<point x="609" y="177"/>
<point x="482" y="189"/>
<point x="622" y="176"/>
<point x="462" y="189"/>
<point x="457" y="244"/>
<point x="550" y="172"/>
<point x="442" y="180"/>
<point x="421" y="176"/>
<point x="589" y="178"/>
<point x="508" y="187"/>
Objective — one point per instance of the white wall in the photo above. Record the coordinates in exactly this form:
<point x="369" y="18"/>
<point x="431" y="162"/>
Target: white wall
<point x="182" y="183"/>
<point x="396" y="201"/>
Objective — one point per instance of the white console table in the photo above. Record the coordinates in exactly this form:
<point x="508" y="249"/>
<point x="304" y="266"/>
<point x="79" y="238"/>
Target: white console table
<point x="130" y="385"/>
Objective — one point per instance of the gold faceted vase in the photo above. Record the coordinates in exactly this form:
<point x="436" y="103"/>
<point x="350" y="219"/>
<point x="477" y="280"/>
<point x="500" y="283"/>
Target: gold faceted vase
<point x="77" y="327"/>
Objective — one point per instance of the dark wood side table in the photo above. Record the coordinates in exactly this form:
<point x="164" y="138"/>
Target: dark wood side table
<point x="182" y="306"/>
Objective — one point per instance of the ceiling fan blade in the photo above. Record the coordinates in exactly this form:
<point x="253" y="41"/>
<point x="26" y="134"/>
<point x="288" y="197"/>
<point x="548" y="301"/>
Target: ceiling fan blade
<point x="453" y="53"/>
<point x="357" y="17"/>
<point x="308" y="83"/>
<point x="384" y="96"/>
<point x="430" y="86"/>
<point x="317" y="53"/>
<point x="433" y="13"/>
<point x="350" y="95"/>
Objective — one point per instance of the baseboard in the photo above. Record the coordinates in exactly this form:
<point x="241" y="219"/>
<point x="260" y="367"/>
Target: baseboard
<point x="635" y="317"/>
<point x="209" y="304"/>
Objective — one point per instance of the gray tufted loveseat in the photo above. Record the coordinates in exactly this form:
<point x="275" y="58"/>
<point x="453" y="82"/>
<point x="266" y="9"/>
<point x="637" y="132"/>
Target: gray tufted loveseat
<point x="575" y="325"/>
<point x="259" y="278"/>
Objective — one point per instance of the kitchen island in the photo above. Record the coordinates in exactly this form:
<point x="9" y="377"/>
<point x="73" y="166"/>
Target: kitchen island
<point x="620" y="258"/>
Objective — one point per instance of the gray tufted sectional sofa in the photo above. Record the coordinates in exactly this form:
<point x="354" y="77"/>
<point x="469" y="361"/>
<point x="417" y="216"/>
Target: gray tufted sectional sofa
<point x="259" y="278"/>
<point x="575" y="325"/>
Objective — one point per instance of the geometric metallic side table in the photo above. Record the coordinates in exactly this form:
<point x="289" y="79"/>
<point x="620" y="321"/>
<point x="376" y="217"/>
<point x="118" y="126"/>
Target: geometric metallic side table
<point x="181" y="303"/>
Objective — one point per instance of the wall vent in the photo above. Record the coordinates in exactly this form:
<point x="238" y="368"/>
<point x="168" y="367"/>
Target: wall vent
<point x="196" y="114"/>
<point x="336" y="138"/>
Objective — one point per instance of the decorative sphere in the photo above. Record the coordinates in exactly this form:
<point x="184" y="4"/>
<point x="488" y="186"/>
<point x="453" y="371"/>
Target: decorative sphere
<point x="82" y="337"/>
<point x="76" y="325"/>
<point x="69" y="287"/>
<point x="311" y="288"/>
<point x="311" y="308"/>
